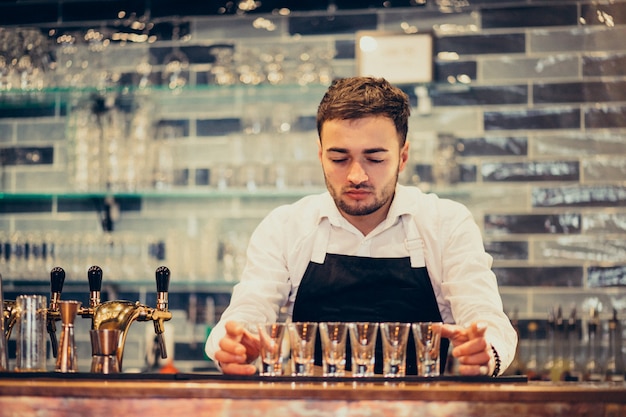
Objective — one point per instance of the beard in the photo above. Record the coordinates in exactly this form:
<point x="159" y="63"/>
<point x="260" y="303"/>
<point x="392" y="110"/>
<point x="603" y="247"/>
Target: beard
<point x="362" y="208"/>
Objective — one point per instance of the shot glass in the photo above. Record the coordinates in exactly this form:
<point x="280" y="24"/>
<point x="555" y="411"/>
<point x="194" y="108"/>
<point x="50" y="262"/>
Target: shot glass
<point x="427" y="337"/>
<point x="395" y="337"/>
<point x="333" y="336"/>
<point x="31" y="333"/>
<point x="363" y="346"/>
<point x="271" y="337"/>
<point x="302" y="337"/>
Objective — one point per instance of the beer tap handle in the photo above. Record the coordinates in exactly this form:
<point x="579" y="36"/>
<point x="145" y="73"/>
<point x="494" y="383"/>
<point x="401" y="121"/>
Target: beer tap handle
<point x="57" y="278"/>
<point x="162" y="284"/>
<point x="94" y="276"/>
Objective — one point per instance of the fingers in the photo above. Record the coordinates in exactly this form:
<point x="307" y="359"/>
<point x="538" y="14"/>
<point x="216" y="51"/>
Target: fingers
<point x="238" y="369"/>
<point x="236" y="351"/>
<point x="472" y="350"/>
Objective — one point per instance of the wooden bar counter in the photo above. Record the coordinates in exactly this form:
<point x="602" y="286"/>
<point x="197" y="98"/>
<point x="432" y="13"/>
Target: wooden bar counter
<point x="68" y="395"/>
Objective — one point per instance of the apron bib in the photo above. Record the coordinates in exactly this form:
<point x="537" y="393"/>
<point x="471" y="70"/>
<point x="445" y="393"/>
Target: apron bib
<point x="354" y="288"/>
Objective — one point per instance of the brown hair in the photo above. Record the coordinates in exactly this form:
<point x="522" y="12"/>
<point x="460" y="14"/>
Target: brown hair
<point x="357" y="97"/>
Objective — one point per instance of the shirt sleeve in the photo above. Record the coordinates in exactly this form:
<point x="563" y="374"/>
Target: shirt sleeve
<point x="468" y="288"/>
<point x="264" y="285"/>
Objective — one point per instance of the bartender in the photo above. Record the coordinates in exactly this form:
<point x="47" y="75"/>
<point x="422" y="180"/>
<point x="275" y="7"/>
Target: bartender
<point x="368" y="249"/>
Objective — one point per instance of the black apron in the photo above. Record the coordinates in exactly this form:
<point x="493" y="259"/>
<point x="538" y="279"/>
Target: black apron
<point x="354" y="288"/>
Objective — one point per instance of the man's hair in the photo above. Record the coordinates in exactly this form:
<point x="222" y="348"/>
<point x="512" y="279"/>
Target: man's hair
<point x="358" y="97"/>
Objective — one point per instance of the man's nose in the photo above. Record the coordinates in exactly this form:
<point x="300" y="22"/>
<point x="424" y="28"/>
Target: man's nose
<point x="357" y="174"/>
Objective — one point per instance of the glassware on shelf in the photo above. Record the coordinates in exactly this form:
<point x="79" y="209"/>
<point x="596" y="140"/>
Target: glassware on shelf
<point x="593" y="366"/>
<point x="572" y="370"/>
<point x="614" y="364"/>
<point x="175" y="73"/>
<point x="222" y="71"/>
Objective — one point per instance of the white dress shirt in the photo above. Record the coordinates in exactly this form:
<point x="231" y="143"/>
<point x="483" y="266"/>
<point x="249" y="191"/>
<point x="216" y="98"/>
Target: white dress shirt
<point x="281" y="248"/>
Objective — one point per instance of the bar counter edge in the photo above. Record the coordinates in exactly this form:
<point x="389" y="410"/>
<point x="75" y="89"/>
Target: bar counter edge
<point x="52" y="397"/>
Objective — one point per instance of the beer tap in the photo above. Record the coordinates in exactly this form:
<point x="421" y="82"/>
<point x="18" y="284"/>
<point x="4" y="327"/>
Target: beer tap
<point x="57" y="278"/>
<point x="120" y="314"/>
<point x="161" y="313"/>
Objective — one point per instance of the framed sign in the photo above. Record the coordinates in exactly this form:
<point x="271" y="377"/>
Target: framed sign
<point x="399" y="58"/>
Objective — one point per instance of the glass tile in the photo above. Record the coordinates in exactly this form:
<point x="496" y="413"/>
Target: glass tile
<point x="608" y="276"/>
<point x="325" y="25"/>
<point x="515" y="67"/>
<point x="557" y="276"/>
<point x="425" y="20"/>
<point x="474" y="96"/>
<point x="578" y="144"/>
<point x="577" y="39"/>
<point x="453" y="72"/>
<point x="580" y="249"/>
<point x="25" y="205"/>
<point x="218" y="127"/>
<point x="579" y="196"/>
<point x="240" y="28"/>
<point x="27" y="155"/>
<point x="602" y="222"/>
<point x="605" y="117"/>
<point x="45" y="131"/>
<point x="202" y="176"/>
<point x="493" y="146"/>
<point x="517" y="17"/>
<point x="531" y="171"/>
<point x="507" y="250"/>
<point x="580" y="92"/>
<point x="565" y="223"/>
<point x="605" y="65"/>
<point x="6" y="132"/>
<point x="481" y="44"/>
<point x="533" y="119"/>
<point x="599" y="169"/>
<point x="345" y="49"/>
<point x="26" y="109"/>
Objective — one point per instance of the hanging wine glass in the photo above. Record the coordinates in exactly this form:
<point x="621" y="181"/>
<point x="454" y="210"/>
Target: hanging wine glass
<point x="176" y="65"/>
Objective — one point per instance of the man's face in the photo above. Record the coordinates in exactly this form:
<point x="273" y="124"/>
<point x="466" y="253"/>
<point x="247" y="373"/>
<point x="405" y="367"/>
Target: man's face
<point x="361" y="159"/>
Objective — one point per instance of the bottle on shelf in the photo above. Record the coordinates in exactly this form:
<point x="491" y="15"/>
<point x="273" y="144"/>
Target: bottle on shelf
<point x="614" y="368"/>
<point x="571" y="371"/>
<point x="593" y="366"/>
<point x="517" y="367"/>
<point x="533" y="370"/>
<point x="558" y="344"/>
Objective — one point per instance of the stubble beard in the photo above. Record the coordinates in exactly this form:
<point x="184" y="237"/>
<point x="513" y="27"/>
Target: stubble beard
<point x="361" y="208"/>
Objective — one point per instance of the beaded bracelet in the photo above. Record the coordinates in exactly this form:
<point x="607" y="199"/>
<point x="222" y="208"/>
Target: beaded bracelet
<point x="496" y="357"/>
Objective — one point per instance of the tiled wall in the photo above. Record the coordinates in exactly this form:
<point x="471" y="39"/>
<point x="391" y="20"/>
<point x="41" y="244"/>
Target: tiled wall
<point x="532" y="97"/>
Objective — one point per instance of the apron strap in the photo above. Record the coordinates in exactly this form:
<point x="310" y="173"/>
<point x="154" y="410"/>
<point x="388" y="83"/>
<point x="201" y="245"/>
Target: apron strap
<point x="413" y="242"/>
<point x="322" y="237"/>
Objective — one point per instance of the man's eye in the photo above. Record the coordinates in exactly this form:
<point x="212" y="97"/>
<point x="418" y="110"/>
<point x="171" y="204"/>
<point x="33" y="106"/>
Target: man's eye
<point x="338" y="160"/>
<point x="376" y="161"/>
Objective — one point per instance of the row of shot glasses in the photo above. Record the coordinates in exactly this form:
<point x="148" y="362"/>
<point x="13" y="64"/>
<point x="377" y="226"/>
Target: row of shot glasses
<point x="301" y="338"/>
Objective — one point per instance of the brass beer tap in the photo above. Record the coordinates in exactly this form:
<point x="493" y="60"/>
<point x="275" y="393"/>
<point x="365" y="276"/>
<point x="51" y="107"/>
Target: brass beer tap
<point x="120" y="314"/>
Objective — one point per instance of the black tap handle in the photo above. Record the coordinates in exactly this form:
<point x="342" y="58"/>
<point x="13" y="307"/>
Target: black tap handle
<point x="57" y="278"/>
<point x="94" y="275"/>
<point x="162" y="279"/>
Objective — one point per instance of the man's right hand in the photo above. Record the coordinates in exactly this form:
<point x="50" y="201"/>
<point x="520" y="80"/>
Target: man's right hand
<point x="238" y="348"/>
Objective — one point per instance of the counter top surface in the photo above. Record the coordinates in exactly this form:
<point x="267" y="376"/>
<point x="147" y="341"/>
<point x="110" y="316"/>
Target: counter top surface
<point x="347" y="389"/>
